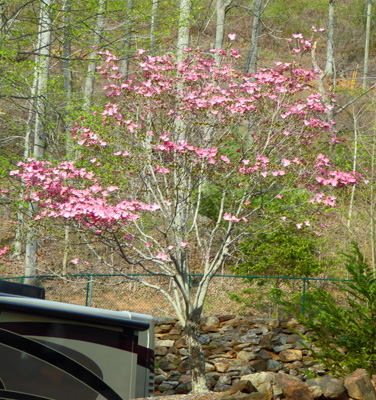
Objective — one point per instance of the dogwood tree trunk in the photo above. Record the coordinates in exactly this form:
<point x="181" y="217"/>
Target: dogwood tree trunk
<point x="196" y="355"/>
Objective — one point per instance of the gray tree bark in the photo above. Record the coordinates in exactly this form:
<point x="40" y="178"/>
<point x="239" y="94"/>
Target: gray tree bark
<point x="90" y="77"/>
<point x="40" y="137"/>
<point x="330" y="66"/>
<point x="251" y="65"/>
<point x="221" y="7"/>
<point x="127" y="43"/>
<point x="366" y="45"/>
<point x="153" y="28"/>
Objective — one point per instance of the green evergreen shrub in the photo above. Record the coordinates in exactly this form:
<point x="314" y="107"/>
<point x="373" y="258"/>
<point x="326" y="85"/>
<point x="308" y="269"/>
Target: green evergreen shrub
<point x="342" y="324"/>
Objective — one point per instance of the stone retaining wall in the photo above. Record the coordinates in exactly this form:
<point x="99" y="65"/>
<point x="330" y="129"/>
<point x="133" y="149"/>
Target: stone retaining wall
<point x="242" y="348"/>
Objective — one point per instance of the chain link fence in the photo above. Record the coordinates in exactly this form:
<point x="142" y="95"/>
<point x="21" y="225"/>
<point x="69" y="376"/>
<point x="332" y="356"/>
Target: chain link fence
<point x="228" y="294"/>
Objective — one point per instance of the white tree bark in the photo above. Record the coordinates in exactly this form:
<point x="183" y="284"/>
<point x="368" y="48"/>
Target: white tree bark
<point x="67" y="77"/>
<point x="355" y="157"/>
<point x="366" y="45"/>
<point x="153" y="28"/>
<point x="251" y="65"/>
<point x="184" y="28"/>
<point x="42" y="72"/>
<point x="90" y="76"/>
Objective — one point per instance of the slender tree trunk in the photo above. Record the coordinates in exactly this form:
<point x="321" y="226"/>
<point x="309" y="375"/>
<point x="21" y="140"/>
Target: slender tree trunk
<point x="196" y="356"/>
<point x="2" y="20"/>
<point x="43" y="67"/>
<point x="366" y="45"/>
<point x="67" y="77"/>
<point x="251" y="65"/>
<point x="330" y="66"/>
<point x="184" y="25"/>
<point x="18" y="241"/>
<point x="124" y="67"/>
<point x="153" y="28"/>
<point x="90" y="77"/>
<point x="355" y="155"/>
<point x="220" y="28"/>
<point x="372" y="205"/>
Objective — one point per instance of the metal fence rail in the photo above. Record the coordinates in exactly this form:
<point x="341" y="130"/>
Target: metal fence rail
<point x="228" y="294"/>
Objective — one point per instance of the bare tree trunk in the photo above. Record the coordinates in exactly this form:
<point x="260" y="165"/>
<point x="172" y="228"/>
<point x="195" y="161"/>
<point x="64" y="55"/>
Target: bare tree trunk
<point x="124" y="68"/>
<point x="184" y="25"/>
<point x="222" y="6"/>
<point x="372" y="205"/>
<point x="153" y="28"/>
<point x="355" y="154"/>
<point x="39" y="126"/>
<point x="2" y="20"/>
<point x="196" y="355"/>
<point x="366" y="45"/>
<point x="67" y="77"/>
<point x="251" y="65"/>
<point x="21" y="212"/>
<point x="330" y="66"/>
<point x="90" y="77"/>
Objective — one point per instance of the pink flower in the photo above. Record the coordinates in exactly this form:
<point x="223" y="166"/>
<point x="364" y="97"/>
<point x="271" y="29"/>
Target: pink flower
<point x="184" y="244"/>
<point x="75" y="261"/>
<point x="162" y="257"/>
<point x="299" y="226"/>
<point x="231" y="36"/>
<point x="231" y="218"/>
<point x="225" y="159"/>
<point x="4" y="250"/>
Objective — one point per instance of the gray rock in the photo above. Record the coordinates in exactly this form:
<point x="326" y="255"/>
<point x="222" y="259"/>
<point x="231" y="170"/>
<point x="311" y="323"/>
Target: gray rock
<point x="204" y="339"/>
<point x="209" y="324"/>
<point x="332" y="388"/>
<point x="221" y="387"/>
<point x="159" y="379"/>
<point x="183" y="388"/>
<point x="278" y="349"/>
<point x="273" y="366"/>
<point x="164" y="343"/>
<point x="246" y="355"/>
<point x="250" y="338"/>
<point x="168" y="385"/>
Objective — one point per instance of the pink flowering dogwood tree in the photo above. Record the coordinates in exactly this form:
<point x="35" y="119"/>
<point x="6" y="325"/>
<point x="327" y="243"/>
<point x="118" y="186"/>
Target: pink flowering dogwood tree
<point x="176" y="137"/>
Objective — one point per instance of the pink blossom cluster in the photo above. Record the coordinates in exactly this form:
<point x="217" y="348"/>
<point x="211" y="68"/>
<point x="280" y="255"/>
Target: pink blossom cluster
<point x="55" y="190"/>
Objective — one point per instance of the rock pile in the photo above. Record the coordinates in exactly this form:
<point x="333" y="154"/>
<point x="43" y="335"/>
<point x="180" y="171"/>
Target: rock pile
<point x="268" y="354"/>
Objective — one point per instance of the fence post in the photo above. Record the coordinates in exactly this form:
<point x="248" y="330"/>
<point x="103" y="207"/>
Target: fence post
<point x="304" y="291"/>
<point x="89" y="290"/>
